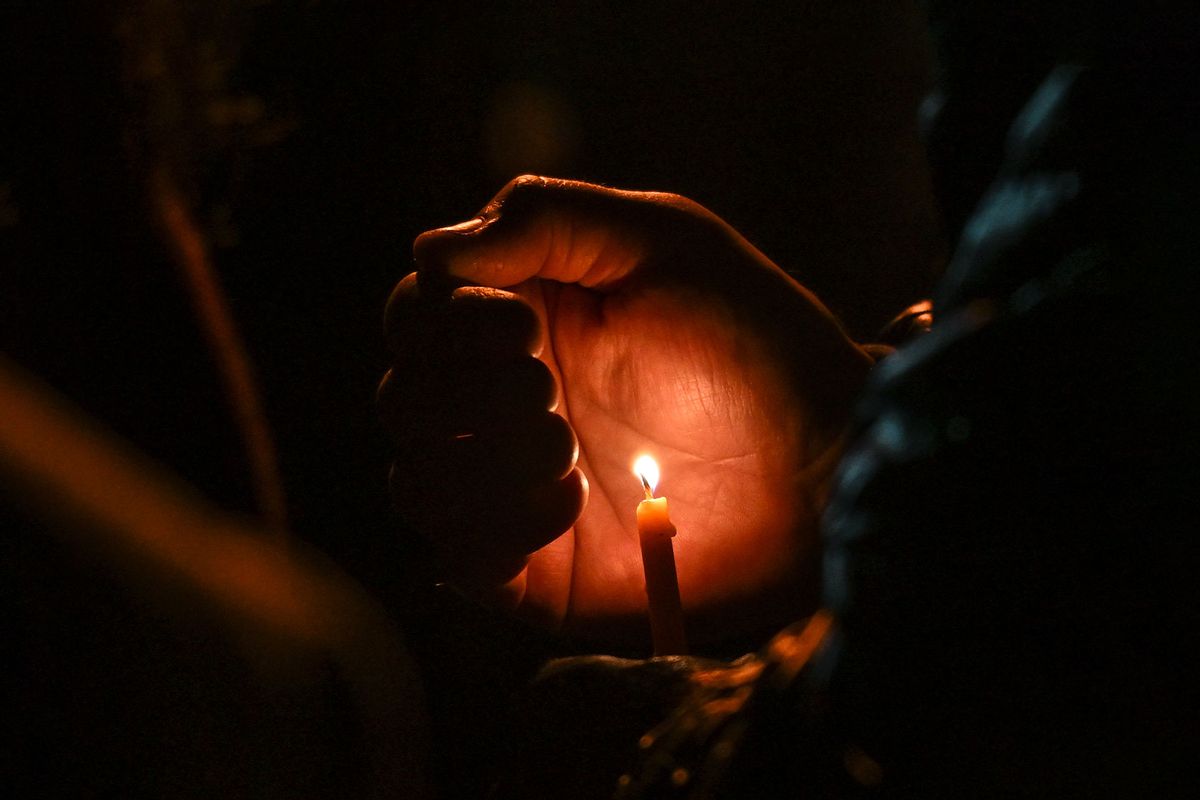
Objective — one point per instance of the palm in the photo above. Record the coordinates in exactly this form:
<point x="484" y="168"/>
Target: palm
<point x="641" y="372"/>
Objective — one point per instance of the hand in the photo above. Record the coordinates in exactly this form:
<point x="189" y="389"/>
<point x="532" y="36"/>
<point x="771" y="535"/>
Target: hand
<point x="656" y="329"/>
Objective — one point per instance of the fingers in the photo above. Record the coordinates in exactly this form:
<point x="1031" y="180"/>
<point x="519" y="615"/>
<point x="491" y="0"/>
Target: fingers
<point x="484" y="469"/>
<point x="474" y="484"/>
<point x="431" y="320"/>
<point x="559" y="230"/>
<point x="427" y="402"/>
<point x="510" y="435"/>
<point x="483" y="536"/>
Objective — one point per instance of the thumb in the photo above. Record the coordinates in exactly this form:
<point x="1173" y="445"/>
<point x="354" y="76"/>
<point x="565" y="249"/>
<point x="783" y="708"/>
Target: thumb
<point x="561" y="230"/>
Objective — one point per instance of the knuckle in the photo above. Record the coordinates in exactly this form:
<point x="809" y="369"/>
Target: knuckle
<point x="525" y="184"/>
<point x="515" y="194"/>
<point x="527" y="180"/>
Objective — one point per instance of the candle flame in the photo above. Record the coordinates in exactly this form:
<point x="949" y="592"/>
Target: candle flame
<point x="646" y="468"/>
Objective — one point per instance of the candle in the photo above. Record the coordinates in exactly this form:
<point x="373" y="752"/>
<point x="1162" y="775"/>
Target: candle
<point x="658" y="562"/>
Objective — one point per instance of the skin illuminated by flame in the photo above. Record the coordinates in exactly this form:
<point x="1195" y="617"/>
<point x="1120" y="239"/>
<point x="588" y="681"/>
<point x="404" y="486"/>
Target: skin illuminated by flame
<point x="667" y="332"/>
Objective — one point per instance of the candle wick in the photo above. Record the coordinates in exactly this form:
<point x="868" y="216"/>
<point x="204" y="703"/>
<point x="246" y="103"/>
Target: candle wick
<point x="646" y="485"/>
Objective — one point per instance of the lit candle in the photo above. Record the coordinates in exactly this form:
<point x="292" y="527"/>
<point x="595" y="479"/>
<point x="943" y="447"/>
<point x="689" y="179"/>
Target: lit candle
<point x="658" y="562"/>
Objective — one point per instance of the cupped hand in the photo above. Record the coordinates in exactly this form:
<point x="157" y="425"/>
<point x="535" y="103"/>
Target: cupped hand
<point x="544" y="345"/>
